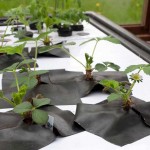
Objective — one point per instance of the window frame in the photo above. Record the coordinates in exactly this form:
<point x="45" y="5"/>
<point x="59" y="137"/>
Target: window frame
<point x="142" y="30"/>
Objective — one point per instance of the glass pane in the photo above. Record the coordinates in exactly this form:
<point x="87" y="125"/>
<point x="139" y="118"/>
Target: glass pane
<point x="119" y="11"/>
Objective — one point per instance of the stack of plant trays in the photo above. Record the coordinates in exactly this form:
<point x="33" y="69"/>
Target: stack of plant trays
<point x="79" y="113"/>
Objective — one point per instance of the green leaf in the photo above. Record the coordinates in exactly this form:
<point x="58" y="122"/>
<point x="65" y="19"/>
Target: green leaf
<point x="147" y="70"/>
<point x="32" y="82"/>
<point x="114" y="96"/>
<point x="110" y="83"/>
<point x="133" y="67"/>
<point x="26" y="39"/>
<point x="19" y="49"/>
<point x="17" y="99"/>
<point x="23" y="107"/>
<point x="93" y="39"/>
<point x="21" y="81"/>
<point x="1" y="94"/>
<point x="10" y="50"/>
<point x="39" y="72"/>
<point x="112" y="65"/>
<point x="100" y="67"/>
<point x="41" y="102"/>
<point x="18" y="96"/>
<point x="25" y="62"/>
<point x="6" y="49"/>
<point x="39" y="116"/>
<point x="70" y="43"/>
<point x="86" y="57"/>
<point x="42" y="35"/>
<point x="111" y="39"/>
<point x="11" y="68"/>
<point x="48" y="48"/>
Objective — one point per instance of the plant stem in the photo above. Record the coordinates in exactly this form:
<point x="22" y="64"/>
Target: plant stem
<point x="8" y="101"/>
<point x="25" y="59"/>
<point x="56" y="6"/>
<point x="36" y="53"/>
<point x="15" y="75"/>
<point x="131" y="87"/>
<point x="73" y="57"/>
<point x="94" y="48"/>
<point x="4" y="35"/>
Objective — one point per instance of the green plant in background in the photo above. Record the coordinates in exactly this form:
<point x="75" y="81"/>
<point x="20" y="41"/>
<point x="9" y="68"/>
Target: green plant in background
<point x="40" y="13"/>
<point x="39" y="10"/>
<point x="121" y="92"/>
<point x="8" y="22"/>
<point x="89" y="58"/>
<point x="66" y="4"/>
<point x="72" y="15"/>
<point x="122" y="11"/>
<point x="18" y="14"/>
<point x="49" y="23"/>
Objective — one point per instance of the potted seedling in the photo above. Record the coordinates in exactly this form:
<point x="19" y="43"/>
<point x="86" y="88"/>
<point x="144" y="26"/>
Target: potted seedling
<point x="41" y="15"/>
<point x="64" y="30"/>
<point x="63" y="24"/>
<point x="39" y="11"/>
<point x="76" y="17"/>
<point x="120" y="90"/>
<point x="63" y="10"/>
<point x="48" y="22"/>
<point x="36" y="17"/>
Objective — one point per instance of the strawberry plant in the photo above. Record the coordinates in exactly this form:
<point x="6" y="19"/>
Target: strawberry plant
<point x="89" y="58"/>
<point x="120" y="89"/>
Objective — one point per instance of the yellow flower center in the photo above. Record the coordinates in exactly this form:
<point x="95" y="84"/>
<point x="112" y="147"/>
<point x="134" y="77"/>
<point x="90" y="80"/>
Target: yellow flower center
<point x="97" y="4"/>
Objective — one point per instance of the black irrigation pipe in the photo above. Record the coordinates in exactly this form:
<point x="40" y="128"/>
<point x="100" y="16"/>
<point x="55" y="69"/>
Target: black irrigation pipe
<point x="136" y="45"/>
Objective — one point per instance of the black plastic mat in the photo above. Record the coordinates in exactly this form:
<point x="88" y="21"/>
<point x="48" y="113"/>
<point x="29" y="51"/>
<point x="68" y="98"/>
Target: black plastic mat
<point x="84" y="87"/>
<point x="25" y="137"/>
<point x="63" y="87"/>
<point x="63" y="121"/>
<point x="16" y="135"/>
<point x="8" y="60"/>
<point x="56" y="52"/>
<point x="58" y="93"/>
<point x="111" y="122"/>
